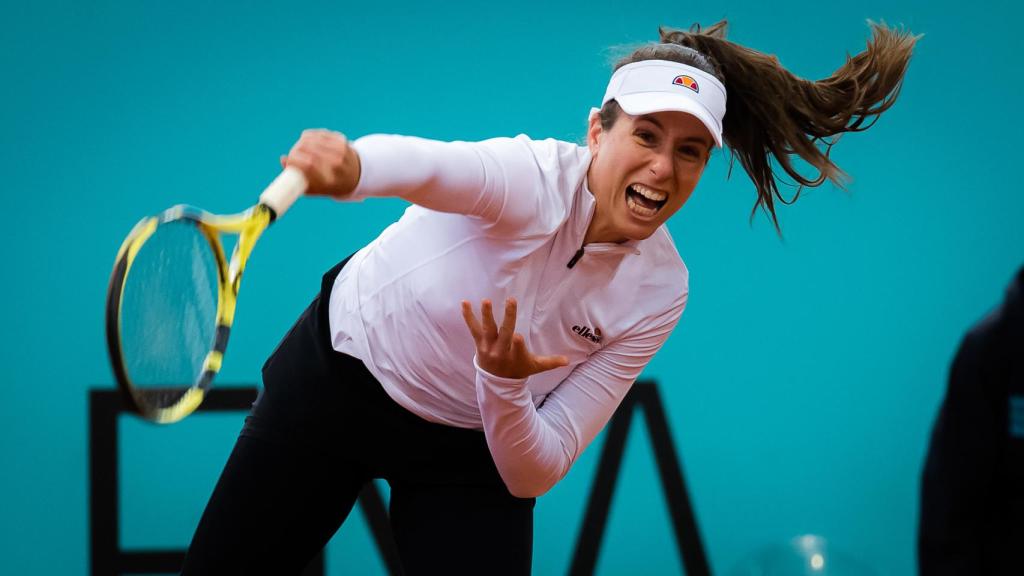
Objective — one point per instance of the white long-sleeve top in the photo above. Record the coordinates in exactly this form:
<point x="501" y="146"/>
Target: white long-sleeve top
<point x="494" y="219"/>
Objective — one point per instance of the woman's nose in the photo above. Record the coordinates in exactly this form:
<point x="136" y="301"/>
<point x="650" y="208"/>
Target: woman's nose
<point x="661" y="166"/>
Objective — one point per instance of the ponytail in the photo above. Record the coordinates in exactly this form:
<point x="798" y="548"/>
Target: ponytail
<point x="773" y="113"/>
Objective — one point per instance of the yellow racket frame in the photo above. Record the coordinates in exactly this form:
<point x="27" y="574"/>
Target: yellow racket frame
<point x="248" y="225"/>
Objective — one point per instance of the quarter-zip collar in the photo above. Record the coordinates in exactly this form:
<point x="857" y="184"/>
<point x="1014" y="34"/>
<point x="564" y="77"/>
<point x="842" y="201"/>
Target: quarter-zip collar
<point x="583" y="214"/>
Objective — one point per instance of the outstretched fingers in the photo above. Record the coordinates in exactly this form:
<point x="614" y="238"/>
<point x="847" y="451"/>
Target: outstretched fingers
<point x="485" y="330"/>
<point x="508" y="325"/>
<point x="539" y="363"/>
<point x="471" y="322"/>
<point x="499" y="350"/>
<point x="545" y="363"/>
<point x="487" y="314"/>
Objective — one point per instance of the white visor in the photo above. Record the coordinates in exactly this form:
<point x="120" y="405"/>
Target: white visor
<point x="661" y="85"/>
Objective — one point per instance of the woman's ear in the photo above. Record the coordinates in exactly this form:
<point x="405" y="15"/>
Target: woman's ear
<point x="594" y="131"/>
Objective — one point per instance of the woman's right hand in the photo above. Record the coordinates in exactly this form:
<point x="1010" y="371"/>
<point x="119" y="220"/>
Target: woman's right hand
<point x="329" y="162"/>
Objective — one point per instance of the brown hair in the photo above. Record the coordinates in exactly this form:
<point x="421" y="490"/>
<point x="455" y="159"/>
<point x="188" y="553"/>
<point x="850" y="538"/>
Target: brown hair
<point x="772" y="113"/>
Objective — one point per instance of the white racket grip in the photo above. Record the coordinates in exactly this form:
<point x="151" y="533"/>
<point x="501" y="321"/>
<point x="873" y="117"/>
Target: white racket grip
<point x="284" y="190"/>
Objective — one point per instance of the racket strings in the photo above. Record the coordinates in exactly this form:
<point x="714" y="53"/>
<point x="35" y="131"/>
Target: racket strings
<point x="169" y="311"/>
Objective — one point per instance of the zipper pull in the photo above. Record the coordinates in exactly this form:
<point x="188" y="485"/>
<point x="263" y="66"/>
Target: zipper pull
<point x="575" y="258"/>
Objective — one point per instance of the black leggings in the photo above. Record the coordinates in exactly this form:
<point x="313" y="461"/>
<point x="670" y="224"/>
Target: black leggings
<point x="322" y="428"/>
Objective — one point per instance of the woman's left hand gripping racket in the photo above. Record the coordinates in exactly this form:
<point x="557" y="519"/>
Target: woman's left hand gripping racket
<point x="172" y="295"/>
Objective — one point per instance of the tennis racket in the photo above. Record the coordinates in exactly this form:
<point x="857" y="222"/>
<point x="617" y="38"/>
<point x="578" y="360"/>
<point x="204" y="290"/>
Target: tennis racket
<point x="171" y="299"/>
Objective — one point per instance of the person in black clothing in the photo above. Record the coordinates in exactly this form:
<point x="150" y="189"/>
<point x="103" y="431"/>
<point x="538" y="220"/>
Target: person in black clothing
<point x="972" y="489"/>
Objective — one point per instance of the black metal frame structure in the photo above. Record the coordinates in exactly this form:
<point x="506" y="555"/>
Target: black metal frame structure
<point x="107" y="558"/>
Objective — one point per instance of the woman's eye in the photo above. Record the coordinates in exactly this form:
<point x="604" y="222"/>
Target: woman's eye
<point x="645" y="136"/>
<point x="689" y="152"/>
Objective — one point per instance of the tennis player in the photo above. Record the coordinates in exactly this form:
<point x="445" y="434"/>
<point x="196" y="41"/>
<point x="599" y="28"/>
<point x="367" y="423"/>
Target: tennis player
<point x="470" y="353"/>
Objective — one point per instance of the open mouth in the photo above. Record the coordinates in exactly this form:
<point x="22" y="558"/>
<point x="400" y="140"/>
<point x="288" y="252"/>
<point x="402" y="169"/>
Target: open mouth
<point x="643" y="201"/>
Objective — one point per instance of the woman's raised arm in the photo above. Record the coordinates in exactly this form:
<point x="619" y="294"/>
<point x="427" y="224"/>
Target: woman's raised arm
<point x="497" y="180"/>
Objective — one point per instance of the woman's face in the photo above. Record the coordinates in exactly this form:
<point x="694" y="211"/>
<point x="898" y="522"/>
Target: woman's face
<point x="642" y="171"/>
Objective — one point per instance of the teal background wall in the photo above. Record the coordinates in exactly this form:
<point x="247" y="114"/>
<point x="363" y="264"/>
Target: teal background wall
<point x="800" y="385"/>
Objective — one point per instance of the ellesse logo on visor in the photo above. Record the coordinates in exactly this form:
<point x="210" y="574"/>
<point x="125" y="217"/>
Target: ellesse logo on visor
<point x="686" y="82"/>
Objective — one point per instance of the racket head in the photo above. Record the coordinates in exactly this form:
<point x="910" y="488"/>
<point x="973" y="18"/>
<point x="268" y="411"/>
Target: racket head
<point x="167" y="300"/>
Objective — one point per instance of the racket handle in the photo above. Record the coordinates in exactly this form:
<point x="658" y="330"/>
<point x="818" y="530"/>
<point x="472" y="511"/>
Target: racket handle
<point x="284" y="191"/>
